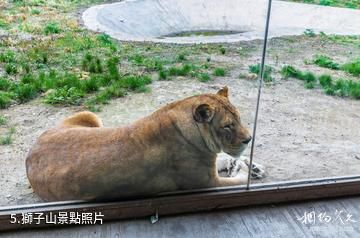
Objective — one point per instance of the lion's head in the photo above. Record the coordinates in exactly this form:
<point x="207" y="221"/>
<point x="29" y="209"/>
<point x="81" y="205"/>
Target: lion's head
<point x="220" y="124"/>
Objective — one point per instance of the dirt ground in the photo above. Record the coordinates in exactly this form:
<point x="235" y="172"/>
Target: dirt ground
<point x="302" y="134"/>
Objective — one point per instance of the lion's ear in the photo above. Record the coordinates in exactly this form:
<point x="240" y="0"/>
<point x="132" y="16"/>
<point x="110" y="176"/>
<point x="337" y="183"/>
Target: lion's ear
<point x="203" y="113"/>
<point x="223" y="92"/>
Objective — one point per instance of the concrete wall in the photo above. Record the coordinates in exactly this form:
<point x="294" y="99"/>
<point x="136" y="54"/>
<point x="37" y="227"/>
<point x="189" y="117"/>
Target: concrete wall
<point x="152" y="20"/>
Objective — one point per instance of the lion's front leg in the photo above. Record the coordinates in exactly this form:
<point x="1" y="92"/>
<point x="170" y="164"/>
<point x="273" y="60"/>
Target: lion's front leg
<point x="228" y="166"/>
<point x="224" y="165"/>
<point x="235" y="171"/>
<point x="231" y="171"/>
<point x="239" y="179"/>
<point x="257" y="171"/>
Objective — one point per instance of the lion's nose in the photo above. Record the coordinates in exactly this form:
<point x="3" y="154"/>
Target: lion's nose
<point x="246" y="141"/>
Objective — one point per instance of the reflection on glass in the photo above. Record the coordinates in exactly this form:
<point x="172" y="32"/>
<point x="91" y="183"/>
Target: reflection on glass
<point x="54" y="69"/>
<point x="310" y="106"/>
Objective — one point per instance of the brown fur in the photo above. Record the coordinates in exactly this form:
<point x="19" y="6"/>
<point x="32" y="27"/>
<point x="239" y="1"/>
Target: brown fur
<point x="173" y="148"/>
<point x="82" y="119"/>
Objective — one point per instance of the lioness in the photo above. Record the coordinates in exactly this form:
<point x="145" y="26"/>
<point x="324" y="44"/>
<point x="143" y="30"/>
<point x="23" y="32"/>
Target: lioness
<point x="173" y="148"/>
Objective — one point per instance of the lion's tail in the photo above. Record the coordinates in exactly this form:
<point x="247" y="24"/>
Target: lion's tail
<point x="82" y="119"/>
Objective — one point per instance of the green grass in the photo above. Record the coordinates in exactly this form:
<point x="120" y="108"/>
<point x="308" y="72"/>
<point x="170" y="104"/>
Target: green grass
<point x="204" y="77"/>
<point x="150" y="63"/>
<point x="5" y="100"/>
<point x="206" y="65"/>
<point x="354" y="90"/>
<point x="11" y="69"/>
<point x="326" y="62"/>
<point x="114" y="87"/>
<point x="164" y="75"/>
<point x="222" y="50"/>
<point x="113" y="68"/>
<point x="8" y="57"/>
<point x="3" y="120"/>
<point x="325" y="81"/>
<point x="353" y="67"/>
<point x="342" y="87"/>
<point x="334" y="3"/>
<point x="35" y="11"/>
<point x="92" y="84"/>
<point x="309" y="33"/>
<point x="65" y="96"/>
<point x="67" y="88"/>
<point x="190" y="70"/>
<point x="220" y="72"/>
<point x="135" y="82"/>
<point x="68" y="65"/>
<point x="104" y="96"/>
<point x="8" y="138"/>
<point x="309" y="85"/>
<point x="154" y="64"/>
<point x="5" y="84"/>
<point x="326" y="2"/>
<point x="52" y="28"/>
<point x="289" y="71"/>
<point x="183" y="70"/>
<point x="181" y="57"/>
<point x="352" y="40"/>
<point x="255" y="69"/>
<point x="4" y="24"/>
<point x="329" y="91"/>
<point x="339" y="87"/>
<point x="308" y="77"/>
<point x="25" y="92"/>
<point x="105" y="39"/>
<point x="80" y="42"/>
<point x="92" y="64"/>
<point x="113" y="91"/>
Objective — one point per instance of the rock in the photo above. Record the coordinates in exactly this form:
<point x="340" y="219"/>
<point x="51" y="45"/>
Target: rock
<point x="216" y="86"/>
<point x="25" y="37"/>
<point x="251" y="76"/>
<point x="49" y="92"/>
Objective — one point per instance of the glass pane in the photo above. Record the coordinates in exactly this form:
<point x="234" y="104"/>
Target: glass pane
<point x="310" y="108"/>
<point x="52" y="66"/>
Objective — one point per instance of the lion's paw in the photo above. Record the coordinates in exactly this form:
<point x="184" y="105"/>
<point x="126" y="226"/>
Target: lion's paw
<point x="257" y="171"/>
<point x="235" y="168"/>
<point x="228" y="166"/>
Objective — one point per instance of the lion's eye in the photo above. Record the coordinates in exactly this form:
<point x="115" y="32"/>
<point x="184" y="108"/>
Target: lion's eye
<point x="229" y="127"/>
<point x="228" y="132"/>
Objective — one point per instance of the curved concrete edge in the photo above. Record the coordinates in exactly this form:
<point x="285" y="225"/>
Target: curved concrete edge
<point x="133" y="20"/>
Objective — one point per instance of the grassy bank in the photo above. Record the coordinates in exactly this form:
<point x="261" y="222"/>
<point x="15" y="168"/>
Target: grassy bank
<point x="355" y="4"/>
<point x="45" y="53"/>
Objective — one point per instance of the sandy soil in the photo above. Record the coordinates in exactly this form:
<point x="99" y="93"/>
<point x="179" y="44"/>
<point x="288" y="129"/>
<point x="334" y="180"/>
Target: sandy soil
<point x="302" y="133"/>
